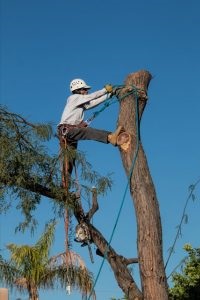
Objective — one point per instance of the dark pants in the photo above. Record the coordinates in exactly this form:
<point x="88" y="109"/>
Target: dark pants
<point x="69" y="136"/>
<point x="86" y="133"/>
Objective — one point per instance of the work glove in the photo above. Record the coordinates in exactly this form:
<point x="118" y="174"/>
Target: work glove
<point x="109" y="88"/>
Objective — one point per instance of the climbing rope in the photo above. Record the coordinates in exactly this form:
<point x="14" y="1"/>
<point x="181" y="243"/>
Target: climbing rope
<point x="96" y="113"/>
<point x="135" y="93"/>
<point x="110" y="102"/>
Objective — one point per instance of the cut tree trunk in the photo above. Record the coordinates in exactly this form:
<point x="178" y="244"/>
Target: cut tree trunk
<point x="149" y="231"/>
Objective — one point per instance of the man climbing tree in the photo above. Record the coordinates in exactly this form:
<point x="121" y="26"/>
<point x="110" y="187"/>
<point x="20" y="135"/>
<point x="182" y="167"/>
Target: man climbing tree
<point x="73" y="128"/>
<point x="72" y="125"/>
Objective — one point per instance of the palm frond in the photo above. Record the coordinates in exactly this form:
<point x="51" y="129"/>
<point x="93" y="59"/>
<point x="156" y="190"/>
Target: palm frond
<point x="69" y="269"/>
<point x="8" y="272"/>
<point x="46" y="239"/>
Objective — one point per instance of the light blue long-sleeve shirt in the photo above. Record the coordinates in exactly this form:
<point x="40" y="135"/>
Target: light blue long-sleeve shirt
<point x="76" y="105"/>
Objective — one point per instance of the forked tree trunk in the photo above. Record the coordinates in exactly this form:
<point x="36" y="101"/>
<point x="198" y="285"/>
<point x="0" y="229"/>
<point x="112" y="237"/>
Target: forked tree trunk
<point x="149" y="232"/>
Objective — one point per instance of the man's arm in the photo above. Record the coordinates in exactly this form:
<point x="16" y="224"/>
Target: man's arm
<point x="93" y="99"/>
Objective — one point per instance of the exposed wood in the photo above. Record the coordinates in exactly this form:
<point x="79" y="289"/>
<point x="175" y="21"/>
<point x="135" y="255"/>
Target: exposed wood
<point x="149" y="232"/>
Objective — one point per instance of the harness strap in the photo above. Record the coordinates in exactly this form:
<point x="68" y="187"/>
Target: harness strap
<point x="63" y="129"/>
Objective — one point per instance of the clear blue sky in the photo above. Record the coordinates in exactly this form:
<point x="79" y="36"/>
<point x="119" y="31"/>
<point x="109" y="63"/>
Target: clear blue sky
<point x="46" y="43"/>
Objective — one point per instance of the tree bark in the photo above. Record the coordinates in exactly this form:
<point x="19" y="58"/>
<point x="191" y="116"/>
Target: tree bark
<point x="118" y="263"/>
<point x="33" y="293"/>
<point x="149" y="231"/>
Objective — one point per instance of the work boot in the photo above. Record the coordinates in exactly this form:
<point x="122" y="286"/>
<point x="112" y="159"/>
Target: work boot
<point x="112" y="137"/>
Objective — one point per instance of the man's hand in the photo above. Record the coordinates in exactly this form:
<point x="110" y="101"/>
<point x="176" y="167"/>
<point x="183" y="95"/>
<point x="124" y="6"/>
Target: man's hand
<point x="109" y="88"/>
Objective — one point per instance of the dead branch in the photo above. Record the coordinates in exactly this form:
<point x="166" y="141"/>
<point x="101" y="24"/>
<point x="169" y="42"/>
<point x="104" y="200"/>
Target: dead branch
<point x="95" y="205"/>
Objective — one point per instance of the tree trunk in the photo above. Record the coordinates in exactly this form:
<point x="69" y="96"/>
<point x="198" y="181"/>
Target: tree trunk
<point x="149" y="231"/>
<point x="33" y="293"/>
<point x="118" y="263"/>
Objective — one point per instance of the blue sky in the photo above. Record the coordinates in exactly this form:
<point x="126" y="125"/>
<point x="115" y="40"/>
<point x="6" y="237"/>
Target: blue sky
<point x="46" y="44"/>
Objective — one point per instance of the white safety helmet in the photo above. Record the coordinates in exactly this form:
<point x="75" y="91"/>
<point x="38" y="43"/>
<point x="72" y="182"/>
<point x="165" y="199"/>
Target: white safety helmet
<point x="76" y="84"/>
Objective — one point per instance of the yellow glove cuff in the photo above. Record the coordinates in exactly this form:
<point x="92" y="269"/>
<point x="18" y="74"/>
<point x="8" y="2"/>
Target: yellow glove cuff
<point x="109" y="88"/>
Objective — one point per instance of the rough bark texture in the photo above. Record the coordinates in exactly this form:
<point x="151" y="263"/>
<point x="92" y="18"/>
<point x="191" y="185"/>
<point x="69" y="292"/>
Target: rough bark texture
<point x="118" y="263"/>
<point x="149" y="232"/>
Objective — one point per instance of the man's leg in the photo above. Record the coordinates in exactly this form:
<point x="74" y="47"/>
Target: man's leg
<point x="89" y="133"/>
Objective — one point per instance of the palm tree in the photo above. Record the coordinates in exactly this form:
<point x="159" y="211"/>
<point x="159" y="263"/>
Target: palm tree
<point x="30" y="268"/>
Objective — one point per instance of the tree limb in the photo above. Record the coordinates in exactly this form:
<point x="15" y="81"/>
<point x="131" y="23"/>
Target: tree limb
<point x="95" y="205"/>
